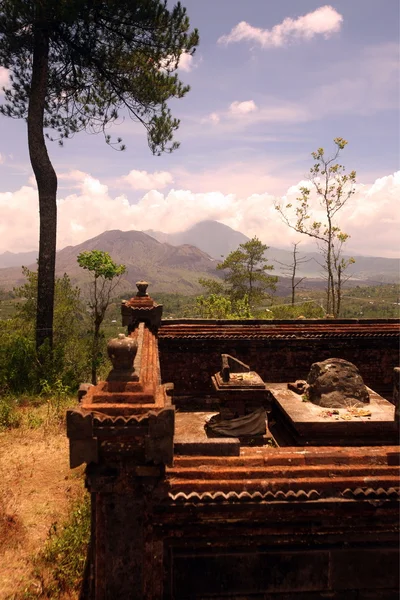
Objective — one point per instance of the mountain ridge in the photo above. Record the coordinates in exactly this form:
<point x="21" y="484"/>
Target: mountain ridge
<point x="165" y="266"/>
<point x="171" y="267"/>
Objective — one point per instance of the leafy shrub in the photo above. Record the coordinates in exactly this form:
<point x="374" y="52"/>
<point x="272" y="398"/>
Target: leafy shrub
<point x="9" y="416"/>
<point x="308" y="310"/>
<point x="21" y="369"/>
<point x="17" y="361"/>
<point x="218" y="306"/>
<point x="60" y="566"/>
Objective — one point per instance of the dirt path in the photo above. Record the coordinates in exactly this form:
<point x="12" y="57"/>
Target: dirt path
<point x="36" y="487"/>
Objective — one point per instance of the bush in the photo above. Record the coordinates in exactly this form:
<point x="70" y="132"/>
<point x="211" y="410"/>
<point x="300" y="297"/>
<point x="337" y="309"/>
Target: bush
<point x="9" y="416"/>
<point x="218" y="306"/>
<point x="308" y="310"/>
<point x="21" y="369"/>
<point x="17" y="361"/>
<point x="60" y="566"/>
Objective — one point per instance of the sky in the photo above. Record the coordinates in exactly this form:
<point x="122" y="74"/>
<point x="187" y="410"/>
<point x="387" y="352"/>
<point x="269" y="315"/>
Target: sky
<point x="271" y="81"/>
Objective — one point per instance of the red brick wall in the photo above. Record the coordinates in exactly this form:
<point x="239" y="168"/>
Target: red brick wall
<point x="188" y="360"/>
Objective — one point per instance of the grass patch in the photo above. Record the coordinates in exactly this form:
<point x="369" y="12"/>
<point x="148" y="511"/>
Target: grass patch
<point x="59" y="567"/>
<point x="45" y="412"/>
<point x="11" y="528"/>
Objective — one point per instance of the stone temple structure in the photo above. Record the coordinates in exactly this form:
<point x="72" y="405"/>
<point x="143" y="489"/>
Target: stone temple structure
<point x="189" y="501"/>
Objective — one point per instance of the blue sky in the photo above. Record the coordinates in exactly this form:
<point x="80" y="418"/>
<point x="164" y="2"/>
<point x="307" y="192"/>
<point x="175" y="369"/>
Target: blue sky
<point x="270" y="82"/>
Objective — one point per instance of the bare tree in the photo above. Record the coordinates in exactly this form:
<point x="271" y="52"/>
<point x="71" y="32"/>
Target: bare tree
<point x="291" y="270"/>
<point x="333" y="188"/>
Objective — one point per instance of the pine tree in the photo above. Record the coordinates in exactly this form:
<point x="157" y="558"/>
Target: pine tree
<point x="75" y="65"/>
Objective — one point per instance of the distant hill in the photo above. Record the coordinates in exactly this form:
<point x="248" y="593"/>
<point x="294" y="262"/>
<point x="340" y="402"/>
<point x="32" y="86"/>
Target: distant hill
<point x="175" y="262"/>
<point x="217" y="240"/>
<point x="13" y="259"/>
<point x="212" y="237"/>
<point x="371" y="269"/>
<point x="168" y="268"/>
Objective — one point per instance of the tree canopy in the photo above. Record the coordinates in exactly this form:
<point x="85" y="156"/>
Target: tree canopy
<point x="106" y="275"/>
<point x="94" y="58"/>
<point x="245" y="272"/>
<point x="75" y="65"/>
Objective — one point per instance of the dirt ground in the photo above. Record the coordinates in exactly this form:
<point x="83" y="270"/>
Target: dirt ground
<point x="36" y="488"/>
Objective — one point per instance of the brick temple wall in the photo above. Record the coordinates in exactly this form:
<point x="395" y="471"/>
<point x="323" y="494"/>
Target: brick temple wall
<point x="190" y="350"/>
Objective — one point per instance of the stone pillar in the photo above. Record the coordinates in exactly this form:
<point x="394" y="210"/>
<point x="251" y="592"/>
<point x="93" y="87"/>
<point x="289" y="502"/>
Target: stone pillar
<point x="124" y="431"/>
<point x="127" y="557"/>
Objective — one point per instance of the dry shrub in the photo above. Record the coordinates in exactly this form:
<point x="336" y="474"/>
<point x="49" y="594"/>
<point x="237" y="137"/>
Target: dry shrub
<point x="11" y="529"/>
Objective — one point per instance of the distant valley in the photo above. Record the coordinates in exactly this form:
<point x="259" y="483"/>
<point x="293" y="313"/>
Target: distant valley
<point x="174" y="262"/>
<point x="219" y="240"/>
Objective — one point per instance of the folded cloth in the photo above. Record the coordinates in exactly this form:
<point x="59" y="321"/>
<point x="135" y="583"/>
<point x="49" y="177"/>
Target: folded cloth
<point x="251" y="424"/>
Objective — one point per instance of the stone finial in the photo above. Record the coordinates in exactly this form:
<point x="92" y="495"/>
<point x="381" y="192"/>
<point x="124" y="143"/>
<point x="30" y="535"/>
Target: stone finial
<point x="142" y="288"/>
<point x="122" y="351"/>
<point x="141" y="308"/>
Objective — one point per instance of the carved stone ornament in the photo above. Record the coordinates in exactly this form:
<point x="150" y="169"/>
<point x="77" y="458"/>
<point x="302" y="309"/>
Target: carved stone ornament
<point x="142" y="288"/>
<point x="336" y="383"/>
<point x="122" y="351"/>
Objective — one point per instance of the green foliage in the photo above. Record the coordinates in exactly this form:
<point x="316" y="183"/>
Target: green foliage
<point x="333" y="187"/>
<point x="74" y="66"/>
<point x="371" y="302"/>
<point x="102" y="57"/>
<point x="174" y="305"/>
<point x="306" y="310"/>
<point x="61" y="564"/>
<point x="216" y="306"/>
<point x="244" y="286"/>
<point x="245" y="272"/>
<point x="9" y="415"/>
<point x="100" y="264"/>
<point x="213" y="286"/>
<point x="22" y="369"/>
<point x="106" y="275"/>
<point x="18" y="362"/>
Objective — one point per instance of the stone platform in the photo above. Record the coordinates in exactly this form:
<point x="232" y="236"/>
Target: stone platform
<point x="296" y="422"/>
<point x="191" y="439"/>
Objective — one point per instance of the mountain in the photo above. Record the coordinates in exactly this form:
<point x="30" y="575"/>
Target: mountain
<point x="212" y="237"/>
<point x="172" y="264"/>
<point x="371" y="269"/>
<point x="219" y="240"/>
<point x="168" y="268"/>
<point x="12" y="259"/>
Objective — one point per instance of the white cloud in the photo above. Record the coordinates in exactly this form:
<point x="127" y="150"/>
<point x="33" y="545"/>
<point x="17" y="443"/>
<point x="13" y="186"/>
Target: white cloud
<point x="75" y="175"/>
<point x="19" y="223"/>
<point x="241" y="177"/>
<point x="371" y="217"/>
<point x="4" y="78"/>
<point x="272" y="112"/>
<point x="142" y="180"/>
<point x="212" y="118"/>
<point x="185" y="63"/>
<point x="1" y="159"/>
<point x="323" y="21"/>
<point x="242" y="108"/>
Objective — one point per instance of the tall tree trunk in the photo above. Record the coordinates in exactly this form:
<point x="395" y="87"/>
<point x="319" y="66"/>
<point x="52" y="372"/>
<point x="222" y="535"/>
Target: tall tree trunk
<point x="47" y="188"/>
<point x="329" y="260"/>
<point x="294" y="268"/>
<point x="339" y="291"/>
<point x="95" y="348"/>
